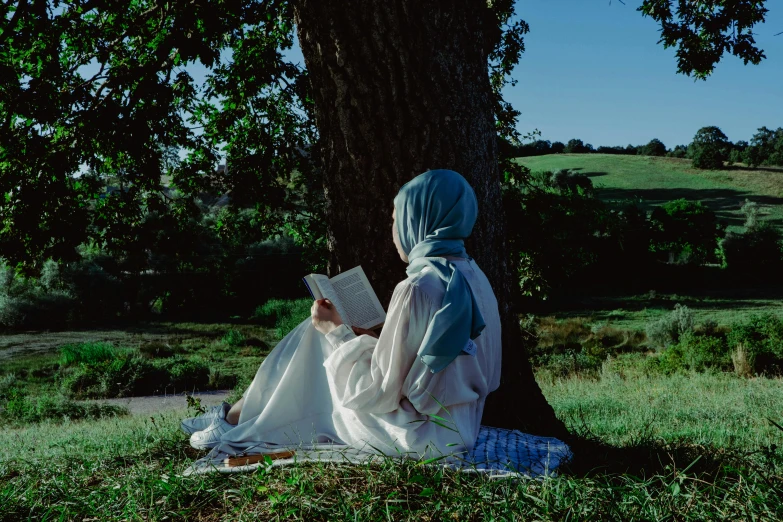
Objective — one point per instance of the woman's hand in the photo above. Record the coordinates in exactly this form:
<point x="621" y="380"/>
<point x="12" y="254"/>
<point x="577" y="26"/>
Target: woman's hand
<point x="325" y="316"/>
<point x="362" y="331"/>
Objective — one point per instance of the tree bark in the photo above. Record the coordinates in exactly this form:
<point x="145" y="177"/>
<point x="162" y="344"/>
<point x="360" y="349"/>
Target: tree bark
<point x="401" y="87"/>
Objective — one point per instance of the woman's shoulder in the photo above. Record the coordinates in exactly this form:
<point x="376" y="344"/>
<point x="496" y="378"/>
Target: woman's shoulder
<point x="425" y="283"/>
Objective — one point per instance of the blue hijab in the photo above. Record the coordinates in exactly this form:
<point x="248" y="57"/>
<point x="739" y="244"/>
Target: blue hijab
<point x="436" y="211"/>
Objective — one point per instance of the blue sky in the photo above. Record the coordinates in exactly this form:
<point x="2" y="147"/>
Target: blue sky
<point x="595" y="71"/>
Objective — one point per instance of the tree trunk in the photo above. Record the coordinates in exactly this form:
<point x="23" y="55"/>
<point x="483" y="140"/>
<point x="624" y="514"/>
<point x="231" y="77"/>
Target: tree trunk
<point x="401" y="87"/>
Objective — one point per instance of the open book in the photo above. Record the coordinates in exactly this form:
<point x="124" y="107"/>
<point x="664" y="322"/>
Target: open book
<point x="352" y="295"/>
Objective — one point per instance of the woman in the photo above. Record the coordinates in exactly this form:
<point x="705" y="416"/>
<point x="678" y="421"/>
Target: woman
<point x="323" y="383"/>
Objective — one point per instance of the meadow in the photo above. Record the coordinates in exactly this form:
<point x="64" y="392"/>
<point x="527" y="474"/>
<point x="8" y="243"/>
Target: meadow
<point x="649" y="445"/>
<point x="655" y="437"/>
<point x="649" y="181"/>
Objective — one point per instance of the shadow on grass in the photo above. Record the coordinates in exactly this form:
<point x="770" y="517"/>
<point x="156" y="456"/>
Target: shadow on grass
<point x="591" y="174"/>
<point x="722" y="201"/>
<point x="648" y="458"/>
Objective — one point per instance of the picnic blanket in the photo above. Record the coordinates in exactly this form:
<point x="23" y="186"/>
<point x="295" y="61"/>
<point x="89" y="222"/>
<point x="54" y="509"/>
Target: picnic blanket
<point x="497" y="453"/>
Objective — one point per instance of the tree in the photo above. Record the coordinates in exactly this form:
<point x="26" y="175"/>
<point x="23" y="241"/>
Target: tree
<point x="383" y="139"/>
<point x="684" y="232"/>
<point x="542" y="147"/>
<point x="390" y="90"/>
<point x="558" y="147"/>
<point x="654" y="148"/>
<point x="766" y="148"/>
<point x="710" y="148"/>
<point x="737" y="153"/>
<point x="575" y="146"/>
<point x="704" y="30"/>
<point x="679" y="151"/>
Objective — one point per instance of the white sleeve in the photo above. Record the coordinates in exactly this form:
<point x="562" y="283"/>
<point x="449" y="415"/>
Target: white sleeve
<point x="367" y="374"/>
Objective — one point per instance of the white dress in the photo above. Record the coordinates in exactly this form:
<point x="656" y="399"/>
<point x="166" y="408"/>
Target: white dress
<point x="359" y="391"/>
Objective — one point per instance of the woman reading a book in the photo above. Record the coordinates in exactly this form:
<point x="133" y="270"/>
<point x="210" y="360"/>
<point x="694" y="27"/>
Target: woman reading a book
<point x="417" y="389"/>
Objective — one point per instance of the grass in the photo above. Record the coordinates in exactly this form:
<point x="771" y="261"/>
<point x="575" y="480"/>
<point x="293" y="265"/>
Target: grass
<point x="283" y="314"/>
<point x="717" y="410"/>
<point x="650" y="181"/>
<point x="648" y="447"/>
<point x="76" y="353"/>
<point x="636" y="311"/>
<point x="652" y="430"/>
<point x="26" y="410"/>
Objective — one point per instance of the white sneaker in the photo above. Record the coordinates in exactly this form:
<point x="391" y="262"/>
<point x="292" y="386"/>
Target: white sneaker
<point x="202" y="422"/>
<point x="210" y="437"/>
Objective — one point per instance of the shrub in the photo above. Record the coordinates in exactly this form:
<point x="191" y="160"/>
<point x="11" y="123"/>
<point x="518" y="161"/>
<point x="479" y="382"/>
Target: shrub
<point x="758" y="251"/>
<point x="668" y="329"/>
<point x="761" y="336"/>
<point x="185" y="374"/>
<point x="126" y="375"/>
<point x="8" y="383"/>
<point x="685" y="232"/>
<point x="701" y="352"/>
<point x="565" y="180"/>
<point x="26" y="304"/>
<point x="21" y="408"/>
<point x="561" y="237"/>
<point x="283" y="314"/>
<point x="222" y="381"/>
<point x="671" y="360"/>
<point x="71" y="354"/>
<point x="234" y="338"/>
<point x="63" y="295"/>
<point x="572" y="362"/>
<point x="93" y="281"/>
<point x="742" y="361"/>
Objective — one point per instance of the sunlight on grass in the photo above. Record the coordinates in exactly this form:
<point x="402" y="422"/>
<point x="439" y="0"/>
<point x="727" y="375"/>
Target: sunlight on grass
<point x="651" y="181"/>
<point x="719" y="466"/>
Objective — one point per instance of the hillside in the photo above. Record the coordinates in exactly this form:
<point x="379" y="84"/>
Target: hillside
<point x="650" y="181"/>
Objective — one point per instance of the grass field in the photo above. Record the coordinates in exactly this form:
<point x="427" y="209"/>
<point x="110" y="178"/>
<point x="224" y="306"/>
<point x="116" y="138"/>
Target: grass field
<point x="687" y="446"/>
<point x="650" y="181"/>
<point x="674" y="448"/>
<point x="649" y="447"/>
<point x="636" y="311"/>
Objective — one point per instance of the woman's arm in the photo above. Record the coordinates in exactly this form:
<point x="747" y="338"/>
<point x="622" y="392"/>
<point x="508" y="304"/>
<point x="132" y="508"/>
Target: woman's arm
<point x="367" y="374"/>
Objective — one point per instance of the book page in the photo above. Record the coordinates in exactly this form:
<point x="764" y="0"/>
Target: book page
<point x="328" y="292"/>
<point x="312" y="286"/>
<point x="358" y="298"/>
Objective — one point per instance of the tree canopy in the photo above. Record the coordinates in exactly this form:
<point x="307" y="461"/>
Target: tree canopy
<point x="710" y="148"/>
<point x="96" y="93"/>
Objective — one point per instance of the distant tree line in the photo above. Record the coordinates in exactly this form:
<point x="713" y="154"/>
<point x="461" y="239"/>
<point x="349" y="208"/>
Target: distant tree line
<point x="710" y="149"/>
